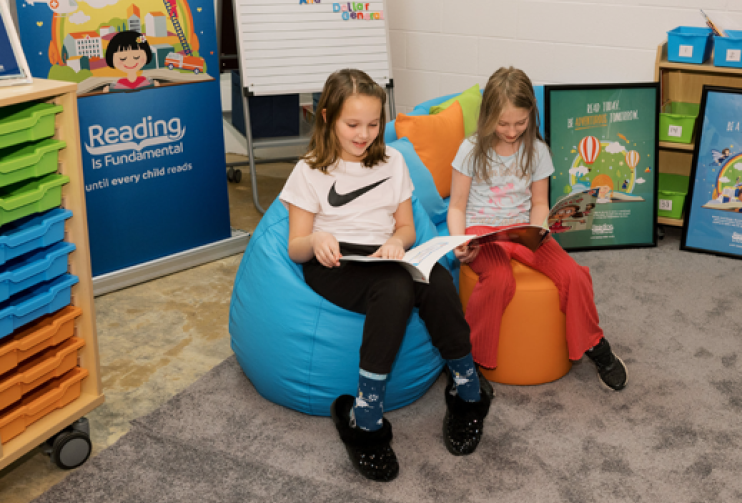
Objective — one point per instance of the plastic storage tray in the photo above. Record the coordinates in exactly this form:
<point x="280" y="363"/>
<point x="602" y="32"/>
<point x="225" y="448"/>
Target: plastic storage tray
<point x="51" y="396"/>
<point x="22" y="199"/>
<point x="47" y="365"/>
<point x="24" y="122"/>
<point x="21" y="162"/>
<point x="29" y="233"/>
<point x="728" y="50"/>
<point x="45" y="332"/>
<point x="35" y="302"/>
<point x="33" y="268"/>
<point x="677" y="121"/>
<point x="671" y="194"/>
<point x="689" y="44"/>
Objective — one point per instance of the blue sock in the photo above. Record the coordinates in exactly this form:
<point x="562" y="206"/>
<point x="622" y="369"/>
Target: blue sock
<point x="465" y="378"/>
<point x="369" y="405"/>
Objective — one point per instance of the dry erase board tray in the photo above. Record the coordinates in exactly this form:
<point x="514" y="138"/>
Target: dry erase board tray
<point x="22" y="123"/>
<point x="51" y="396"/>
<point x="47" y="365"/>
<point x="31" y="160"/>
<point x="33" y="268"/>
<point x="29" y="233"/>
<point x="35" y="302"/>
<point x="22" y="199"/>
<point x="45" y="332"/>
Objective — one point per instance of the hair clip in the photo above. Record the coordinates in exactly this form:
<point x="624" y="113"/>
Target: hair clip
<point x="141" y="38"/>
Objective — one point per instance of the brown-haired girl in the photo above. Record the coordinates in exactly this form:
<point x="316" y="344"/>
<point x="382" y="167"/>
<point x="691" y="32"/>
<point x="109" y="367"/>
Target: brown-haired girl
<point x="351" y="195"/>
<point x="501" y="178"/>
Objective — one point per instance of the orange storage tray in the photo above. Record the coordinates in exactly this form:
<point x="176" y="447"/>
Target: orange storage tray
<point x="37" y="336"/>
<point x="50" y="363"/>
<point x="51" y="396"/>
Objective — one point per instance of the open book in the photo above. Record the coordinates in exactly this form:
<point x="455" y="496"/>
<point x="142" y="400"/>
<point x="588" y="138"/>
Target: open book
<point x="419" y="260"/>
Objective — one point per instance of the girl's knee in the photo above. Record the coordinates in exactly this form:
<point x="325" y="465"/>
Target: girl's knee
<point x="396" y="286"/>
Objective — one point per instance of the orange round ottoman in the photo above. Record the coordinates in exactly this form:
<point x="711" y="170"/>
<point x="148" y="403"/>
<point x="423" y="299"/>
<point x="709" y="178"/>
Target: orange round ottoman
<point x="533" y="343"/>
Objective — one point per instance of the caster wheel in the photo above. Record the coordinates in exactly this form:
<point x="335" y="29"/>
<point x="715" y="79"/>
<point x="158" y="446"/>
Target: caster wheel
<point x="71" y="449"/>
<point x="237" y="175"/>
<point x="230" y="174"/>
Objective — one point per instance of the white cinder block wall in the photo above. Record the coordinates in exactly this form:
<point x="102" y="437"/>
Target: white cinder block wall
<point x="445" y="46"/>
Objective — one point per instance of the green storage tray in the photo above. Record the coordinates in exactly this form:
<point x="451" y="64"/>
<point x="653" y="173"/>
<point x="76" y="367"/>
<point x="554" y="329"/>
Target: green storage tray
<point x="33" y="160"/>
<point x="24" y="122"/>
<point x="671" y="194"/>
<point x="677" y="120"/>
<point x="26" y="198"/>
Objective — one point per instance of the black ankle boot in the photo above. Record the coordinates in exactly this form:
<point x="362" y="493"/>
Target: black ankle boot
<point x="369" y="451"/>
<point x="611" y="370"/>
<point x="464" y="421"/>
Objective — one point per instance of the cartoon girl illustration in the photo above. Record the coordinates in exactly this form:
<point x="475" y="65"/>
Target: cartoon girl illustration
<point x="129" y="52"/>
<point x="556" y="220"/>
<point x="604" y="184"/>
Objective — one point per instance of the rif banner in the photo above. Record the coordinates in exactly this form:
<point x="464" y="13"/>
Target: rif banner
<point x="603" y="139"/>
<point x="150" y="119"/>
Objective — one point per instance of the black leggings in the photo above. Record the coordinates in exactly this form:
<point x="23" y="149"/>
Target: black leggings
<point x="386" y="294"/>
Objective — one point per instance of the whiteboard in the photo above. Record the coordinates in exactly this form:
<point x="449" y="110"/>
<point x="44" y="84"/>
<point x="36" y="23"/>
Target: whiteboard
<point x="288" y="47"/>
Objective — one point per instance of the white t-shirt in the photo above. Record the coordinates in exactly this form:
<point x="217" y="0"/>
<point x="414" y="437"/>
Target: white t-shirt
<point x="506" y="199"/>
<point x="353" y="203"/>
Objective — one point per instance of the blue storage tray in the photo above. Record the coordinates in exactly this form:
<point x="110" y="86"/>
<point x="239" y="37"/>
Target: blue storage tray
<point x="34" y="303"/>
<point x="728" y="50"/>
<point x="33" y="268"/>
<point x="689" y="44"/>
<point x="30" y="233"/>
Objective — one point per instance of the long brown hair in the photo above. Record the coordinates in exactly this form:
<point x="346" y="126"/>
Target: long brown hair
<point x="324" y="148"/>
<point x="505" y="86"/>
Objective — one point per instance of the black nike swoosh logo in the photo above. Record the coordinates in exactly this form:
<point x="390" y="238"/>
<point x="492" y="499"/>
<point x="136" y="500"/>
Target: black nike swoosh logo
<point x="336" y="199"/>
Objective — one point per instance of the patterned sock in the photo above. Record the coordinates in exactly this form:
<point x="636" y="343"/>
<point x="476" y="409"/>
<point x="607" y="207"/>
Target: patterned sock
<point x="369" y="405"/>
<point x="465" y="378"/>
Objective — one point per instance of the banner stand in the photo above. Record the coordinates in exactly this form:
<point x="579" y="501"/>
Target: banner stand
<point x="123" y="278"/>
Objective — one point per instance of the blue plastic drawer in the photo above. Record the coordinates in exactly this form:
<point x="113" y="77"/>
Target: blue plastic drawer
<point x="30" y="233"/>
<point x="689" y="44"/>
<point x="42" y="299"/>
<point x="728" y="50"/>
<point x="33" y="268"/>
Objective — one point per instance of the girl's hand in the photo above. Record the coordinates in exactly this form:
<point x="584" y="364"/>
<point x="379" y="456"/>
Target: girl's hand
<point x="466" y="253"/>
<point x="326" y="249"/>
<point x="391" y="249"/>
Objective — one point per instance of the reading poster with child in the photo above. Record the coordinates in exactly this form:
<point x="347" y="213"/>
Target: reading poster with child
<point x="604" y="140"/>
<point x="150" y="119"/>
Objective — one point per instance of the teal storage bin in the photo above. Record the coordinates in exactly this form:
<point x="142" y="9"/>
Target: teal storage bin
<point x="34" y="268"/>
<point x="30" y="233"/>
<point x="677" y="121"/>
<point x="24" y="122"/>
<point x="728" y="50"/>
<point x="671" y="194"/>
<point x="29" y="160"/>
<point x="22" y="199"/>
<point x="689" y="44"/>
<point x="35" y="302"/>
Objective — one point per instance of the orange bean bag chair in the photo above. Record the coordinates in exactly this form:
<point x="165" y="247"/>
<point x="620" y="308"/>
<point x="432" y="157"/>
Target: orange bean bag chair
<point x="533" y="344"/>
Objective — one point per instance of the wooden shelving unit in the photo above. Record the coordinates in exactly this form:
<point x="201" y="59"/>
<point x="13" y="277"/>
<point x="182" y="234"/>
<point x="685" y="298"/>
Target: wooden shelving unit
<point x="684" y="82"/>
<point x="76" y="231"/>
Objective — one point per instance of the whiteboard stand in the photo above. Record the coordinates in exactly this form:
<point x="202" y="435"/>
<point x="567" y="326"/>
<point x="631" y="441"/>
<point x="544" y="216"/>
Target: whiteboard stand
<point x="282" y="32"/>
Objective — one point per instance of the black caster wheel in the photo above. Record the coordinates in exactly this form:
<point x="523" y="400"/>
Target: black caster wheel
<point x="70" y="449"/>
<point x="237" y="177"/>
<point x="231" y="174"/>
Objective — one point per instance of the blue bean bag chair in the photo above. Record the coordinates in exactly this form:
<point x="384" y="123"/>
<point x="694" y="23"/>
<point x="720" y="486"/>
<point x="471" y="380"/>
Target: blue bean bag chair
<point x="298" y="349"/>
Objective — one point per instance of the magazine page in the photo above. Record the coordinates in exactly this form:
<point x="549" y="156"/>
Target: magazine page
<point x="530" y="236"/>
<point x="573" y="212"/>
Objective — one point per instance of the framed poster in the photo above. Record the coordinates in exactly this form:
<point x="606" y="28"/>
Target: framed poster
<point x="604" y="137"/>
<point x="13" y="67"/>
<point x="713" y="222"/>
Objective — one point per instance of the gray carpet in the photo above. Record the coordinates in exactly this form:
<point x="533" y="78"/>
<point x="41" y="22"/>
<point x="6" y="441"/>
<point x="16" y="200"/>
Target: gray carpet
<point x="673" y="435"/>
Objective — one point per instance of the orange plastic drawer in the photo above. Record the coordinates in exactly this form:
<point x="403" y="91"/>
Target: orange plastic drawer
<point x="51" y="396"/>
<point x="50" y="363"/>
<point x="37" y="336"/>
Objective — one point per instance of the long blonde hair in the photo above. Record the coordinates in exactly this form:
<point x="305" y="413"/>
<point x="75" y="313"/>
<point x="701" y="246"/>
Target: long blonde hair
<point x="505" y="86"/>
<point x="324" y="148"/>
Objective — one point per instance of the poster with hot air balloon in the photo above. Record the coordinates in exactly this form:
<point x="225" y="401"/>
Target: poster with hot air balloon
<point x="604" y="138"/>
<point x="713" y="215"/>
<point x="150" y="120"/>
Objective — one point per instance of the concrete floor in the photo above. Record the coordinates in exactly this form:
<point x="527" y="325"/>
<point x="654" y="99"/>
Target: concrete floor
<point x="155" y="339"/>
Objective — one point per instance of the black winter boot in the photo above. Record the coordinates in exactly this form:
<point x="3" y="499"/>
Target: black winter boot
<point x="369" y="451"/>
<point x="464" y="421"/>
